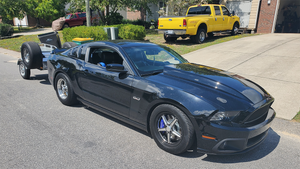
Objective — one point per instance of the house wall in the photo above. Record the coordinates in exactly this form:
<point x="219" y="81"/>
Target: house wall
<point x="32" y="22"/>
<point x="154" y="9"/>
<point x="266" y="16"/>
<point x="133" y="15"/>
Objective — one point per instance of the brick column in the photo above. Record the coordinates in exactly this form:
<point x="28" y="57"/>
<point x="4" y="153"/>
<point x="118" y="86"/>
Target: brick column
<point x="266" y="16"/>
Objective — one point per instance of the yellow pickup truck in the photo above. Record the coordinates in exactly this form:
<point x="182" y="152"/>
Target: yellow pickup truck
<point x="199" y="21"/>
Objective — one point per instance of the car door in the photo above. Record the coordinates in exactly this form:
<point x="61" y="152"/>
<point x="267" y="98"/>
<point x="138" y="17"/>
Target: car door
<point x="218" y="19"/>
<point x="82" y="18"/>
<point x="73" y="20"/>
<point x="105" y="88"/>
<point x="226" y="18"/>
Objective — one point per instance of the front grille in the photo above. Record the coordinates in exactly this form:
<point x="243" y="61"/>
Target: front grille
<point x="258" y="116"/>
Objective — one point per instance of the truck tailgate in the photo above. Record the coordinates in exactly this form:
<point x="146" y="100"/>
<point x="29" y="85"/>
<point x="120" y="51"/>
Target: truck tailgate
<point x="171" y="23"/>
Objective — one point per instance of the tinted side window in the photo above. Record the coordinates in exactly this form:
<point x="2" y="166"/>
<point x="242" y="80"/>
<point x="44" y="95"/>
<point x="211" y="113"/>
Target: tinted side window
<point x="225" y="11"/>
<point x="217" y="10"/>
<point x="82" y="15"/>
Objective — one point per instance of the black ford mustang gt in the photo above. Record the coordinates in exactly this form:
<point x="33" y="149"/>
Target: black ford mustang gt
<point x="155" y="89"/>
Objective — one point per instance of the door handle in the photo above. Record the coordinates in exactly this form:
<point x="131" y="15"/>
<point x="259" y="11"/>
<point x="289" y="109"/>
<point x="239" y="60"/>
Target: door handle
<point x="223" y="18"/>
<point x="216" y="19"/>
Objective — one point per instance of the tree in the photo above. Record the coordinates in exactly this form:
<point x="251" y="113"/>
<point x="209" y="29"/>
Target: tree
<point x="46" y="9"/>
<point x="11" y="8"/>
<point x="111" y="7"/>
<point x="179" y="7"/>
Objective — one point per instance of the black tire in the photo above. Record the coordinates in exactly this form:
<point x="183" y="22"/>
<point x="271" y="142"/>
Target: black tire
<point x="210" y="34"/>
<point x="31" y="55"/>
<point x="24" y="71"/>
<point x="235" y="29"/>
<point x="67" y="45"/>
<point x="200" y="36"/>
<point x="66" y="25"/>
<point x="169" y="39"/>
<point x="181" y="127"/>
<point x="64" y="90"/>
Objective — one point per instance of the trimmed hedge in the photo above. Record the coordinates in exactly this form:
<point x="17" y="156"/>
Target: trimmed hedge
<point x="126" y="31"/>
<point x="6" y="30"/>
<point x="134" y="32"/>
<point x="95" y="32"/>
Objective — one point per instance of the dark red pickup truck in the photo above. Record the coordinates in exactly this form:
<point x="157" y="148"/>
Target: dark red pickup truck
<point x="75" y="19"/>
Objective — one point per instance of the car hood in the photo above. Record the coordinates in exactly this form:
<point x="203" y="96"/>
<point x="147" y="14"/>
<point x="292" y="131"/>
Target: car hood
<point x="214" y="80"/>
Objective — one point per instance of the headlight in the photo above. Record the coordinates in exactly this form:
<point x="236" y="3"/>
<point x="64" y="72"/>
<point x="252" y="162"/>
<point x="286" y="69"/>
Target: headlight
<point x="224" y="116"/>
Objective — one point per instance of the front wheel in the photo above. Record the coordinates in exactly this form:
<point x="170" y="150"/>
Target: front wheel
<point x="64" y="90"/>
<point x="200" y="36"/>
<point x="24" y="71"/>
<point x="171" y="129"/>
<point x="235" y="29"/>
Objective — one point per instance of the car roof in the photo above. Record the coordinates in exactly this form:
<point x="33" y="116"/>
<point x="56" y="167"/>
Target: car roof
<point x="75" y="13"/>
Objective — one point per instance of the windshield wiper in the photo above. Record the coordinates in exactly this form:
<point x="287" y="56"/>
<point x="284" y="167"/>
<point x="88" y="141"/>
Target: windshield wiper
<point x="152" y="73"/>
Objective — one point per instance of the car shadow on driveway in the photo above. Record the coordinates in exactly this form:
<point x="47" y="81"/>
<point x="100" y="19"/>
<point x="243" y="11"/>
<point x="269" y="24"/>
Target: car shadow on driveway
<point x="43" y="78"/>
<point x="118" y="121"/>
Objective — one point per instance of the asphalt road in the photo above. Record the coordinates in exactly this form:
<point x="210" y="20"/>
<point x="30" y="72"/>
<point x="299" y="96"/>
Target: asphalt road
<point x="37" y="131"/>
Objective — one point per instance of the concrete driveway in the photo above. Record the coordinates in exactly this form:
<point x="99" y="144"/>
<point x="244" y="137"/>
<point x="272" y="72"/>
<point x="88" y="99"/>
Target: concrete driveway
<point x="271" y="60"/>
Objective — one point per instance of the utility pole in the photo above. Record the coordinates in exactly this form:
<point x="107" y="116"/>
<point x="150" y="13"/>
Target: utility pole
<point x="88" y="13"/>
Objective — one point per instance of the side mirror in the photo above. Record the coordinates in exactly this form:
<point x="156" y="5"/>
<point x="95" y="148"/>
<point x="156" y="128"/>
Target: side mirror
<point x="115" y="68"/>
<point x="233" y="13"/>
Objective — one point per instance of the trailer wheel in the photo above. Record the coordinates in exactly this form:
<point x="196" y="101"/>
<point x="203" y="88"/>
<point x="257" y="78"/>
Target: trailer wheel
<point x="24" y="71"/>
<point x="67" y="45"/>
<point x="31" y="55"/>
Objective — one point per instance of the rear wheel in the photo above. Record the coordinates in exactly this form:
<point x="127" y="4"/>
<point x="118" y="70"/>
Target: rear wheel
<point x="64" y="90"/>
<point x="66" y="25"/>
<point x="171" y="129"/>
<point x="31" y="55"/>
<point x="24" y="71"/>
<point x="169" y="39"/>
<point x="200" y="36"/>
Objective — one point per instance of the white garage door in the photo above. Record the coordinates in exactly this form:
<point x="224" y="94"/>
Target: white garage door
<point x="242" y="9"/>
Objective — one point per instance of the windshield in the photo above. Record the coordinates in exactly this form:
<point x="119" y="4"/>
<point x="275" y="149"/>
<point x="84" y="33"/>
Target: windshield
<point x="152" y="59"/>
<point x="68" y="16"/>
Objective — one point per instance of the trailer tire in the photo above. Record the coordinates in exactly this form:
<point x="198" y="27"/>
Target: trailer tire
<point x="31" y="55"/>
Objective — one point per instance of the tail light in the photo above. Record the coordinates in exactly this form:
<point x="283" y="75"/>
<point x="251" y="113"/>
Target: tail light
<point x="184" y="23"/>
<point x="157" y="23"/>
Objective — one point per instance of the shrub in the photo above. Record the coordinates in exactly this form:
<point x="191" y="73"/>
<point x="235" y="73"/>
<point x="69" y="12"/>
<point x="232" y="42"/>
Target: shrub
<point x="6" y="30"/>
<point x="114" y="18"/>
<point x="134" y="32"/>
<point x="95" y="32"/>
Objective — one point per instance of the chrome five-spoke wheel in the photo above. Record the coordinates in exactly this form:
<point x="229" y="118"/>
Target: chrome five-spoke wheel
<point x="62" y="88"/>
<point x="169" y="128"/>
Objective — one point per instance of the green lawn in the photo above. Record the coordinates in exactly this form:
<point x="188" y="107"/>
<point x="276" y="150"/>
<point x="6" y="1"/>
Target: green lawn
<point x="22" y="29"/>
<point x="297" y="117"/>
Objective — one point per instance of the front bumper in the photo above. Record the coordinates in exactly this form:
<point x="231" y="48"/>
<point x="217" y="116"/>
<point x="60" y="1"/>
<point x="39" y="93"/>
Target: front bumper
<point x="233" y="140"/>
